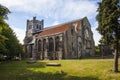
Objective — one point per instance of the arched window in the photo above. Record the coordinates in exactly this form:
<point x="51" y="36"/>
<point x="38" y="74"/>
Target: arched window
<point x="72" y="31"/>
<point x="39" y="45"/>
<point x="44" y="44"/>
<point x="51" y="45"/>
<point x="37" y="27"/>
<point x="79" y="42"/>
<point x="86" y="33"/>
<point x="88" y="43"/>
<point x="79" y="46"/>
<point x="57" y="43"/>
<point x="30" y="27"/>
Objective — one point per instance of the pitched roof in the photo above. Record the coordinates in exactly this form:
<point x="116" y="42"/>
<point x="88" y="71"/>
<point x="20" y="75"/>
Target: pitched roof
<point x="54" y="30"/>
<point x="58" y="28"/>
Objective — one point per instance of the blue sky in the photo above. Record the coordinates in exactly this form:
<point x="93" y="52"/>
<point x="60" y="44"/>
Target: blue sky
<point x="52" y="11"/>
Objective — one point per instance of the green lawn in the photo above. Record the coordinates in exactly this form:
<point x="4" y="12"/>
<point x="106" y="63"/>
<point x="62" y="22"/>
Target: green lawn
<point x="83" y="69"/>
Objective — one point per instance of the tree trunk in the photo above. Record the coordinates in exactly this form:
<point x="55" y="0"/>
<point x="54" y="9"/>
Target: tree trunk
<point x="116" y="56"/>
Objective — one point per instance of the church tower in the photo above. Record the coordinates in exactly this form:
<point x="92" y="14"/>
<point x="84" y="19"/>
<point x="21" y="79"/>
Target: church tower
<point x="33" y="26"/>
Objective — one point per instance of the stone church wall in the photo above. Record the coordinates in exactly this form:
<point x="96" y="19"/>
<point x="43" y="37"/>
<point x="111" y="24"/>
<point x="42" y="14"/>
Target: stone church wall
<point x="76" y="41"/>
<point x="50" y="48"/>
<point x="71" y="42"/>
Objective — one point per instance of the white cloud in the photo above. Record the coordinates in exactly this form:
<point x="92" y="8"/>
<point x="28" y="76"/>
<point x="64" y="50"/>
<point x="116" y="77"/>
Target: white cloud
<point x="57" y="10"/>
<point x="70" y="9"/>
<point x="20" y="33"/>
<point x="55" y="23"/>
<point x="96" y="35"/>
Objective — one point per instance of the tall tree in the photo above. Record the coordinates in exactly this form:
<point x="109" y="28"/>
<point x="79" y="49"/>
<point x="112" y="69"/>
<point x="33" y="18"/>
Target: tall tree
<point x="3" y="15"/>
<point x="9" y="44"/>
<point x="12" y="44"/>
<point x="108" y="14"/>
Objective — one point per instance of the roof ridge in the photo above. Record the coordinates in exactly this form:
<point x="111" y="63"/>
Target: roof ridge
<point x="58" y="28"/>
<point x="58" y="25"/>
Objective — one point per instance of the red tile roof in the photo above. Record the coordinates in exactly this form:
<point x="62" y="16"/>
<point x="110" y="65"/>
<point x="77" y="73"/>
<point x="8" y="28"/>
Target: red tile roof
<point x="57" y="29"/>
<point x="54" y="30"/>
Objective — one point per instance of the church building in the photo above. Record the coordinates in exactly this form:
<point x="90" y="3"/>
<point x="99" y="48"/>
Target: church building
<point x="69" y="40"/>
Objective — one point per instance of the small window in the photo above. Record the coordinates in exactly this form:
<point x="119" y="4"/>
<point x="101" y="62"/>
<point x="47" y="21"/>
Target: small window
<point x="37" y="27"/>
<point x="30" y="26"/>
<point x="86" y="33"/>
<point x="40" y="27"/>
<point x="72" y="31"/>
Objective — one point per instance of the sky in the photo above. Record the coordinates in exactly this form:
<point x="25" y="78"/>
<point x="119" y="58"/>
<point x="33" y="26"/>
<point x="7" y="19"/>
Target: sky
<point x="52" y="11"/>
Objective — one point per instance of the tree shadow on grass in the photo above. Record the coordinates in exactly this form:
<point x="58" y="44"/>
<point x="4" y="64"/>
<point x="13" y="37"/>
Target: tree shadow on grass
<point x="81" y="78"/>
<point x="52" y="76"/>
<point x="37" y="65"/>
<point x="14" y="69"/>
<point x="24" y="72"/>
<point x="59" y="75"/>
<point x="97" y="57"/>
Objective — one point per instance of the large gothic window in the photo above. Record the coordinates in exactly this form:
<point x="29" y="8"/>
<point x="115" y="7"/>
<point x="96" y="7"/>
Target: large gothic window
<point x="72" y="31"/>
<point x="88" y="43"/>
<point x="79" y="42"/>
<point x="57" y="42"/>
<point x="79" y="46"/>
<point x="39" y="45"/>
<point x="86" y="33"/>
<point x="30" y="26"/>
<point x="51" y="44"/>
<point x="44" y="44"/>
<point x="37" y="26"/>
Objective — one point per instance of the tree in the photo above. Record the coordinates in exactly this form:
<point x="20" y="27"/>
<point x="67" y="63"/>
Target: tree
<point x="9" y="44"/>
<point x="3" y="15"/>
<point x="97" y="50"/>
<point x="12" y="44"/>
<point x="108" y="13"/>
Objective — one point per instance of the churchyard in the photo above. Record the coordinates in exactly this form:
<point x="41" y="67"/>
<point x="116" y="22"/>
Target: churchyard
<point x="82" y="69"/>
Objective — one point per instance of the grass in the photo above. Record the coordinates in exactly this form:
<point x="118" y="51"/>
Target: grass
<point x="83" y="69"/>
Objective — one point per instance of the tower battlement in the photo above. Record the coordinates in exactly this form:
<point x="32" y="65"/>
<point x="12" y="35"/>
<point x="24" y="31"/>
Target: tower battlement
<point x="34" y="26"/>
